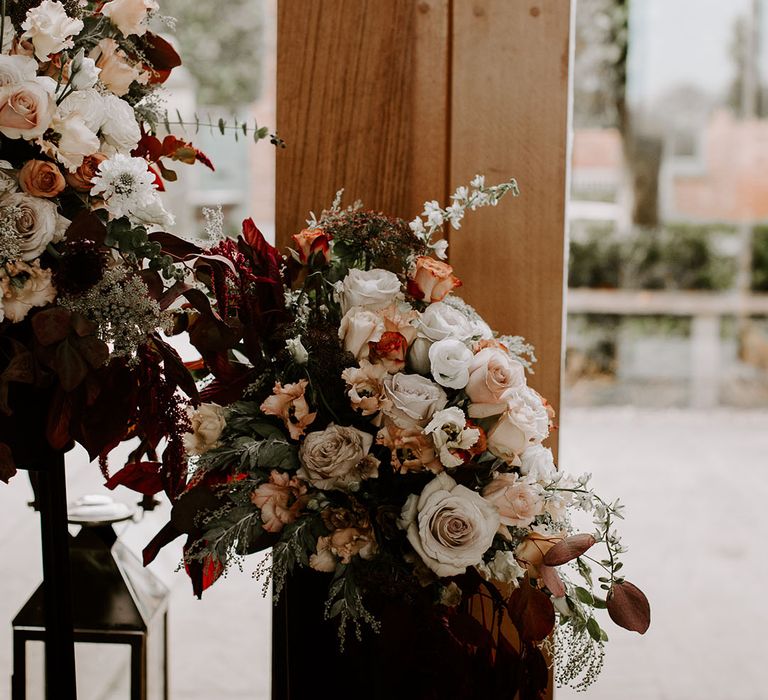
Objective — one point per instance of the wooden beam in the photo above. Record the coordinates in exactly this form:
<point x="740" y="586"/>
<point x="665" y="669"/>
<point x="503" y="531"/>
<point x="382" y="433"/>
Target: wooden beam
<point x="510" y="119"/>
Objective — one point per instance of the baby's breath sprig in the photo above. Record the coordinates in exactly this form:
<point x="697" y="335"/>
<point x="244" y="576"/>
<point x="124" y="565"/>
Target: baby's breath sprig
<point x="477" y="195"/>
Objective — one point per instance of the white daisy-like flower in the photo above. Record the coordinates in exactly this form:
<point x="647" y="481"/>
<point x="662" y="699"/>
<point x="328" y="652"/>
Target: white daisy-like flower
<point x="128" y="187"/>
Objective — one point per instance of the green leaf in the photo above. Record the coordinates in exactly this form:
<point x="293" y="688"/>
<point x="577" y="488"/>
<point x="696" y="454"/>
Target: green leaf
<point x="222" y="125"/>
<point x="588" y="598"/>
<point x="594" y="629"/>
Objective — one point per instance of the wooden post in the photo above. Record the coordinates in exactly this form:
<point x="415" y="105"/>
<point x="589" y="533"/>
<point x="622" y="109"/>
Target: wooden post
<point x="401" y="101"/>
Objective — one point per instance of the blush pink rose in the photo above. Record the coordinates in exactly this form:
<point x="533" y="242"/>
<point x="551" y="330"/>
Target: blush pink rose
<point x="517" y="501"/>
<point x="27" y="109"/>
<point x="493" y="376"/>
<point x="431" y="280"/>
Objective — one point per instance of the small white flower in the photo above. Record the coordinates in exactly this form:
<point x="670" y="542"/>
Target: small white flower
<point x="439" y="248"/>
<point x="461" y="194"/>
<point x="455" y="214"/>
<point x="417" y="226"/>
<point x="478" y="182"/>
<point x="297" y="350"/>
<point x="434" y="214"/>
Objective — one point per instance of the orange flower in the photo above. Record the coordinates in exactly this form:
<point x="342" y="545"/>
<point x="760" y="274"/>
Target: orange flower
<point x="41" y="178"/>
<point x="389" y="351"/>
<point x="311" y="241"/>
<point x="280" y="499"/>
<point x="431" y="280"/>
<point x="288" y="402"/>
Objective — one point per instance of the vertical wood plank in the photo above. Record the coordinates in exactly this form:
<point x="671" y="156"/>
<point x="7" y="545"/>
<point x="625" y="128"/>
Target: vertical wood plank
<point x="510" y="119"/>
<point x="361" y="102"/>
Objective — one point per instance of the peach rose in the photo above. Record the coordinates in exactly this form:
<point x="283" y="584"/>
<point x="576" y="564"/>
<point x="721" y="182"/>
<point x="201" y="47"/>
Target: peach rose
<point x="366" y="387"/>
<point x="517" y="501"/>
<point x="412" y="450"/>
<point x="41" y="178"/>
<point x="532" y="549"/>
<point x="280" y="500"/>
<point x="342" y="545"/>
<point x="130" y="16"/>
<point x="493" y="376"/>
<point x="431" y="280"/>
<point x="24" y="286"/>
<point x="288" y="402"/>
<point x="27" y="109"/>
<point x="82" y="178"/>
<point x="117" y="71"/>
<point x="312" y="241"/>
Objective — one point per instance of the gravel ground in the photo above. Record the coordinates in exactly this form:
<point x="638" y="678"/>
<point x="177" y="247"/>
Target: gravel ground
<point x="695" y="486"/>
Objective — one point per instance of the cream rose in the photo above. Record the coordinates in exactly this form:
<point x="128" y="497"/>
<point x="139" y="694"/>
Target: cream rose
<point x="26" y="109"/>
<point x="37" y="222"/>
<point x="438" y="322"/>
<point x="16" y="69"/>
<point x="450" y="526"/>
<point x="358" y="328"/>
<point x="41" y="178"/>
<point x="119" y="129"/>
<point x="208" y="422"/>
<point x="337" y="458"/>
<point x="370" y="289"/>
<point x="413" y="399"/>
<point x="517" y="500"/>
<point x="130" y="16"/>
<point x="524" y="423"/>
<point x="24" y="287"/>
<point x="493" y="376"/>
<point x="117" y="71"/>
<point x="449" y="361"/>
<point x="50" y="28"/>
<point x="538" y="464"/>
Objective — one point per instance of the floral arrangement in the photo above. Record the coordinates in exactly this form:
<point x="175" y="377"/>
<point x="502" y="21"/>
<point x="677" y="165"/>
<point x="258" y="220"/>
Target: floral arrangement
<point x="365" y="422"/>
<point x="85" y="283"/>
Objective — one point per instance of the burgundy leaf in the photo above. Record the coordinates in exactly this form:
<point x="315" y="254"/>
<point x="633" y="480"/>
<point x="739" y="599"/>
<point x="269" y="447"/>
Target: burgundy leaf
<point x="628" y="607"/>
<point x="175" y="370"/>
<point x="143" y="477"/>
<point x="167" y="535"/>
<point x="568" y="549"/>
<point x="52" y="325"/>
<point x="7" y="463"/>
<point x="174" y="246"/>
<point x="531" y="612"/>
<point x="87" y="226"/>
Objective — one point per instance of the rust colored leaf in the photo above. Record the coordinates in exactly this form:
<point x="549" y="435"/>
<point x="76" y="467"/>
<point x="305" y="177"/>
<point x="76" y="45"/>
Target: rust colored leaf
<point x="531" y="612"/>
<point x="567" y="550"/>
<point x="52" y="325"/>
<point x="628" y="607"/>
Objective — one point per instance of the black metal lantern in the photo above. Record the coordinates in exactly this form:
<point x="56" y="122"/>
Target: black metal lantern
<point x="115" y="601"/>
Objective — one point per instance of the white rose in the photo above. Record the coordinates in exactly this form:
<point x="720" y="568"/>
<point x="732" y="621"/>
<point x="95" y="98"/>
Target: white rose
<point x="50" y="28"/>
<point x="413" y="399"/>
<point x="450" y="360"/>
<point x="84" y="72"/>
<point x="119" y="129"/>
<point x="36" y="221"/>
<point x="87" y="104"/>
<point x="449" y="432"/>
<point x="451" y="527"/>
<point x="208" y="422"/>
<point x="439" y="321"/>
<point x="151" y="213"/>
<point x="16" y="69"/>
<point x="538" y="464"/>
<point x="298" y="351"/>
<point x="525" y="423"/>
<point x="370" y="289"/>
<point x="130" y="16"/>
<point x="75" y="142"/>
<point x="26" y="109"/>
<point x="358" y="328"/>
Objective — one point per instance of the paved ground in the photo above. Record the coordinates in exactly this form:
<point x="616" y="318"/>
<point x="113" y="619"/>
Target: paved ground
<point x="695" y="485"/>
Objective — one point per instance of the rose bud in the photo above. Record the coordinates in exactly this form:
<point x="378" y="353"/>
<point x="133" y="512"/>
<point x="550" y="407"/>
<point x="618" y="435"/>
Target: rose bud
<point x="431" y="280"/>
<point x="310" y="242"/>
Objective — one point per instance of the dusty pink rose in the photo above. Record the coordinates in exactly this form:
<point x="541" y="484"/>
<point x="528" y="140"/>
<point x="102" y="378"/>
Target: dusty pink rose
<point x="493" y="376"/>
<point x="280" y="499"/>
<point x="524" y="423"/>
<point x="342" y="545"/>
<point x="27" y="109"/>
<point x="431" y="280"/>
<point x="366" y="387"/>
<point x="117" y="70"/>
<point x="412" y="450"/>
<point x="288" y="402"/>
<point x="517" y="501"/>
<point x="337" y="458"/>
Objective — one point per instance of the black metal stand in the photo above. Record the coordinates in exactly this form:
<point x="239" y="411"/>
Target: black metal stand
<point x="60" y="681"/>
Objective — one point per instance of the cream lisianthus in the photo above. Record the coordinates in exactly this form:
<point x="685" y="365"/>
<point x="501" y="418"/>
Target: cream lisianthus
<point x="50" y="28"/>
<point x="24" y="286"/>
<point x="448" y="429"/>
<point x="450" y="526"/>
<point x="449" y="361"/>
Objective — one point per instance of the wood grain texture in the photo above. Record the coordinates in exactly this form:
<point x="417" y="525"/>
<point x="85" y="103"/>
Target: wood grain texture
<point x="362" y="103"/>
<point x="510" y="119"/>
